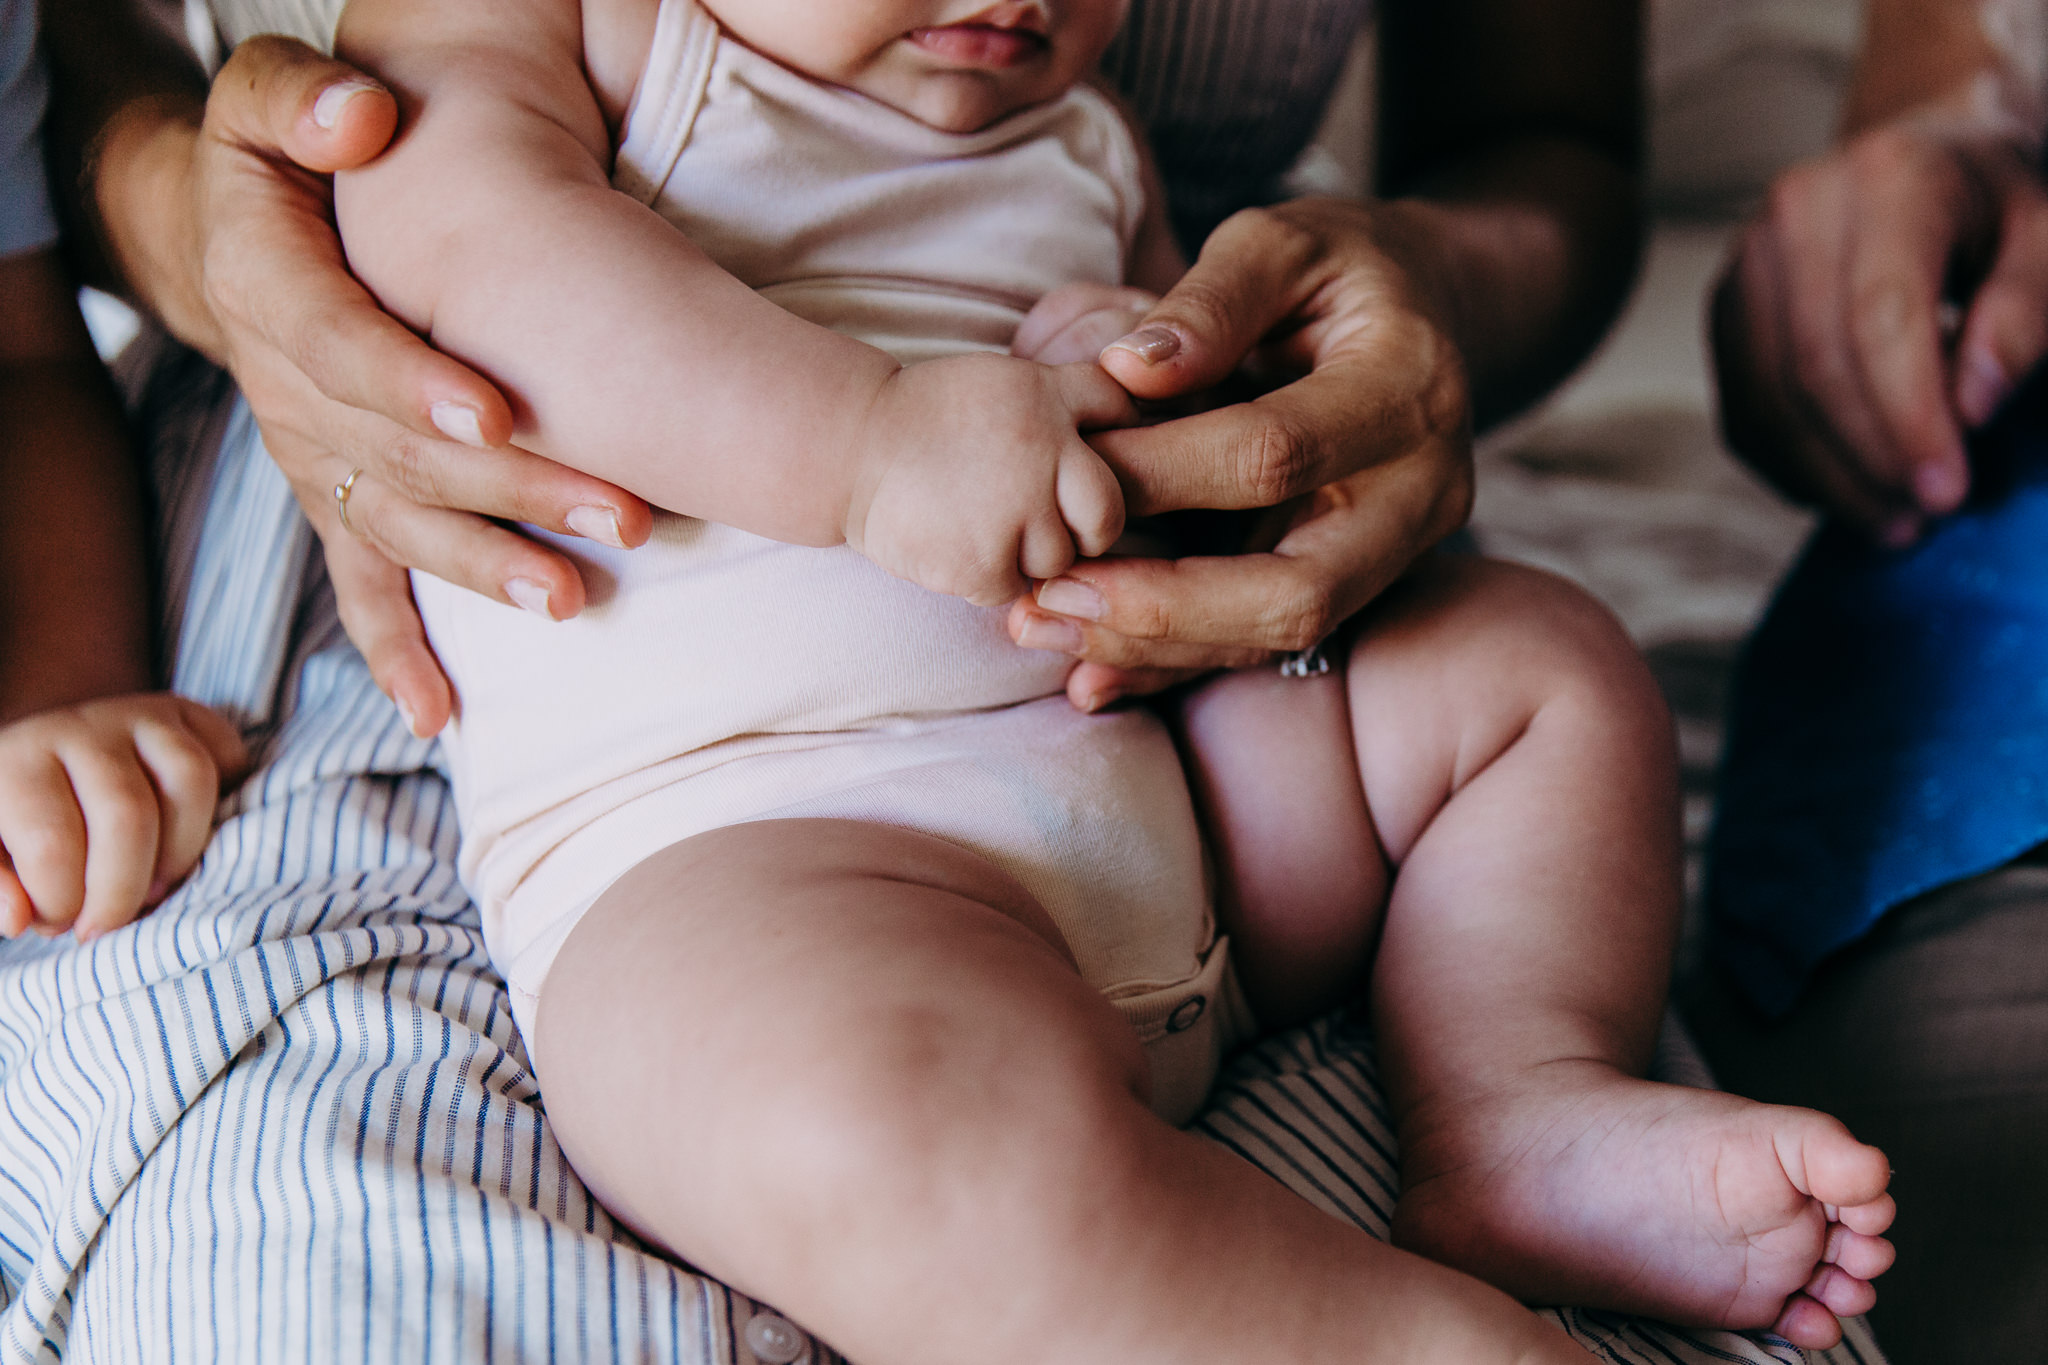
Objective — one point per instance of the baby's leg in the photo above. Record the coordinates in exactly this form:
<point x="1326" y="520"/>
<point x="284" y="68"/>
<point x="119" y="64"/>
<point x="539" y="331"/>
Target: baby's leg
<point x="1301" y="881"/>
<point x="849" y="1070"/>
<point x="1517" y="765"/>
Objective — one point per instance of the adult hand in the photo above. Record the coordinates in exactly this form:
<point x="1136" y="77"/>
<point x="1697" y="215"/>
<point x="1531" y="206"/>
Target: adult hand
<point x="336" y="385"/>
<point x="1372" y="443"/>
<point x="1883" y="305"/>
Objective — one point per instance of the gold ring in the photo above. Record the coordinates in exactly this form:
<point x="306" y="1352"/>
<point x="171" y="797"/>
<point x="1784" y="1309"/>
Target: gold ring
<point x="341" y="492"/>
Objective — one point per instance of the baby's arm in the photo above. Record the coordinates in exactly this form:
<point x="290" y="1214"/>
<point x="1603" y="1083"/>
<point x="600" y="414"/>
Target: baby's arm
<point x="105" y="799"/>
<point x="628" y="353"/>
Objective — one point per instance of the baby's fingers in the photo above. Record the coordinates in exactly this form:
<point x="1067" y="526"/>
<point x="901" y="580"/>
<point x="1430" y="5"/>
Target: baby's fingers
<point x="16" y="913"/>
<point x="123" y="822"/>
<point x="43" y="833"/>
<point x="188" y="764"/>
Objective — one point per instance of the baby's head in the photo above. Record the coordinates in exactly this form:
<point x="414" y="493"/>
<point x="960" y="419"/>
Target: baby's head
<point x="958" y="65"/>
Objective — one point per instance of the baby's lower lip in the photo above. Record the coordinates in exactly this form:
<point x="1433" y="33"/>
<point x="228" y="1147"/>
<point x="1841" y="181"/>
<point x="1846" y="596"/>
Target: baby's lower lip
<point x="979" y="44"/>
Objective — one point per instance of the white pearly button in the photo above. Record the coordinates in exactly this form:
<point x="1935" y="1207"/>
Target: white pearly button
<point x="773" y="1340"/>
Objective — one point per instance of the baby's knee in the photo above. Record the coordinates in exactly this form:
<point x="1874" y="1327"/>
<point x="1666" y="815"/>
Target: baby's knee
<point x="911" y="1123"/>
<point x="1531" y="637"/>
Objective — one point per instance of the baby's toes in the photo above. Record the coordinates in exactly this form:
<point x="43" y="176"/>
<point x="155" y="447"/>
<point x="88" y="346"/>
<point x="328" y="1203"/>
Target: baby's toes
<point x="1825" y="1161"/>
<point x="1864" y="1257"/>
<point x="1841" y="1293"/>
<point x="1807" y="1325"/>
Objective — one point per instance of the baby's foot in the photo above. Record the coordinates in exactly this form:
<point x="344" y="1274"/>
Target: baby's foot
<point x="1582" y="1185"/>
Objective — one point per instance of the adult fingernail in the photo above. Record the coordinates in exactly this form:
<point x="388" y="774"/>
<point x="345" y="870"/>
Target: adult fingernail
<point x="1981" y="389"/>
<point x="1050" y="633"/>
<point x="406" y="714"/>
<point x="1095" y="701"/>
<point x="1938" y="487"/>
<point x="458" y="422"/>
<point x="1072" y="597"/>
<point x="596" y="523"/>
<point x="1150" y="344"/>
<point x="327" y="109"/>
<point x="530" y="595"/>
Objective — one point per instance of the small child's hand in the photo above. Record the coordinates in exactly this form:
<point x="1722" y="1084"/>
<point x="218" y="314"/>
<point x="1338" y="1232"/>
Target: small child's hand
<point x="104" y="806"/>
<point x="973" y="477"/>
<point x="1073" y="323"/>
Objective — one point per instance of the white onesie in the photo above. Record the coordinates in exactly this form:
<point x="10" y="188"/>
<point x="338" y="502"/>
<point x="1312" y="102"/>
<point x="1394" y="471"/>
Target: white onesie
<point x="717" y="677"/>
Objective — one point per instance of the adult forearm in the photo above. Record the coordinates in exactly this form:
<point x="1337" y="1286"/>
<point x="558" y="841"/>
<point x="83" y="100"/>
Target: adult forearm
<point x="126" y="105"/>
<point x="1532" y="244"/>
<point x="1985" y="61"/>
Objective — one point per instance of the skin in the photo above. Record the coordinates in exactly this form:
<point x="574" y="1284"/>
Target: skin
<point x="1841" y="379"/>
<point x="1508" y="237"/>
<point x="105" y="799"/>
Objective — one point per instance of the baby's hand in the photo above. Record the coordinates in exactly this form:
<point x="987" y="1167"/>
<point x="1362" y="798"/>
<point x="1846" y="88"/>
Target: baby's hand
<point x="973" y="477"/>
<point x="104" y="806"/>
<point x="1073" y="323"/>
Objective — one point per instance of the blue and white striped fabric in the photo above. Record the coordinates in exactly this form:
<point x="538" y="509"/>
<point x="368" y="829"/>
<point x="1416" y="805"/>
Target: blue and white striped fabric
<point x="287" y="1118"/>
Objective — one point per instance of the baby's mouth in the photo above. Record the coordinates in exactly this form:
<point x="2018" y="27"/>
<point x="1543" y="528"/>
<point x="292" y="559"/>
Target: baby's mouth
<point x="1005" y="35"/>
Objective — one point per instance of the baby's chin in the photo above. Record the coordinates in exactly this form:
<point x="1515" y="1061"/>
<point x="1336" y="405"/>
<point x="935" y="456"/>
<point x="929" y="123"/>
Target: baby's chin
<point x="958" y="101"/>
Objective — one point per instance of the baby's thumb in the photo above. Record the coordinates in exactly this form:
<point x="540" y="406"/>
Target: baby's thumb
<point x="1091" y="501"/>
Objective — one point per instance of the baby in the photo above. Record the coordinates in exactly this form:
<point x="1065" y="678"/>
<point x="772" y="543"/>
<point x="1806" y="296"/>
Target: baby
<point x="861" y="970"/>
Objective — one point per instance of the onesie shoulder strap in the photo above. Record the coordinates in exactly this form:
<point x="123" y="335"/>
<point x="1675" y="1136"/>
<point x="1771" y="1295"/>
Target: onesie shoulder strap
<point x="666" y="101"/>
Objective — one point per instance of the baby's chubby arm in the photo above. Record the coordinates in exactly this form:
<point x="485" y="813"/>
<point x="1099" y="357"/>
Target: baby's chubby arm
<point x="626" y="352"/>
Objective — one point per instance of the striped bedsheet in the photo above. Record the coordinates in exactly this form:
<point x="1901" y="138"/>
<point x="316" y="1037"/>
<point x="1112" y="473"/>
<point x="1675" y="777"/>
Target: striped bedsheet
<point x="287" y="1117"/>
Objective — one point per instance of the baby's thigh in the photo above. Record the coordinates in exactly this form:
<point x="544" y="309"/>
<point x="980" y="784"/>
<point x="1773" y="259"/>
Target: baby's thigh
<point x="806" y="1006"/>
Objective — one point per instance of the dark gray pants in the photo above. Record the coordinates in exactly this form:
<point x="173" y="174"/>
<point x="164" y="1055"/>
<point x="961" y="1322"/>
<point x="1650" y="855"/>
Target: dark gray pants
<point x="1930" y="1039"/>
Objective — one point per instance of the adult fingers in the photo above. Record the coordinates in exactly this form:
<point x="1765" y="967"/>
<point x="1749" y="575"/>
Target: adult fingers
<point x="2005" y="331"/>
<point x="1350" y="540"/>
<point x="1766" y="412"/>
<point x="1372" y="402"/>
<point x="1256" y="269"/>
<point x="275" y="279"/>
<point x="456" y="547"/>
<point x="1090" y="643"/>
<point x="1915" y="213"/>
<point x="273" y="263"/>
<point x="43" y="832"/>
<point x="1092" y="686"/>
<point x="374" y="599"/>
<point x="276" y="94"/>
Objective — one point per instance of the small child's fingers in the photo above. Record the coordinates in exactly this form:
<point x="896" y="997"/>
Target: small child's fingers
<point x="43" y="833"/>
<point x="1091" y="501"/>
<point x="218" y="734"/>
<point x="122" y="825"/>
<point x="1864" y="1257"/>
<point x="16" y="913"/>
<point x="1045" y="543"/>
<point x="187" y="780"/>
